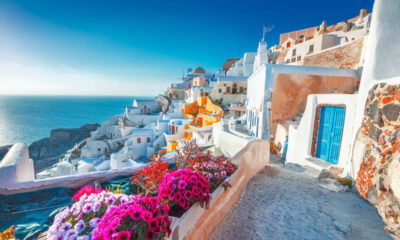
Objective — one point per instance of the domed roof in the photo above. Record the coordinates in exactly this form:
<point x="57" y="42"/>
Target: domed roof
<point x="199" y="70"/>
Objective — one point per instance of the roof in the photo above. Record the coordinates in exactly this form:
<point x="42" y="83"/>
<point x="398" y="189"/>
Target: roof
<point x="198" y="71"/>
<point x="142" y="131"/>
<point x="232" y="78"/>
<point x="228" y="63"/>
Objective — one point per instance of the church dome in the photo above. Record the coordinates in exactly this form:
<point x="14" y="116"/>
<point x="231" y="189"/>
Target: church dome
<point x="199" y="70"/>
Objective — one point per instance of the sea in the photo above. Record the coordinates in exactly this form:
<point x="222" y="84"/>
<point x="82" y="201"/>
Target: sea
<point x="30" y="118"/>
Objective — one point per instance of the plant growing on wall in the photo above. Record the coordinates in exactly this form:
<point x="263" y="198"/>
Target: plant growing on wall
<point x="143" y="218"/>
<point x="149" y="178"/>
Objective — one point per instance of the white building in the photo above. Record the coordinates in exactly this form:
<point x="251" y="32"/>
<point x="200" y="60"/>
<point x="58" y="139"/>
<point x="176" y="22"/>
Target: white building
<point x="229" y="89"/>
<point x="243" y="67"/>
<point x="147" y="106"/>
<point x="260" y="86"/>
<point x="194" y="92"/>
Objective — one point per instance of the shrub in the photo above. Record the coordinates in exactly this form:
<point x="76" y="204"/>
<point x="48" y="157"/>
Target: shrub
<point x="143" y="218"/>
<point x="149" y="178"/>
<point x="186" y="154"/>
<point x="183" y="188"/>
<point x="81" y="219"/>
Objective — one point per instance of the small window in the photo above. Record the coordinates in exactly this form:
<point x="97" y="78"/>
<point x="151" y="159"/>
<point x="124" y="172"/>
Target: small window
<point x="299" y="58"/>
<point x="294" y="53"/>
<point x="99" y="149"/>
<point x="224" y="84"/>
<point x="241" y="89"/>
<point x="293" y="59"/>
<point x="311" y="48"/>
<point x="148" y="139"/>
<point x="228" y="89"/>
<point x="139" y="140"/>
<point x="220" y="90"/>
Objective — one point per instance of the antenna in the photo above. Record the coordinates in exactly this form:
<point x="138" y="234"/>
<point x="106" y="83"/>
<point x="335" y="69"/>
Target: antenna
<point x="267" y="29"/>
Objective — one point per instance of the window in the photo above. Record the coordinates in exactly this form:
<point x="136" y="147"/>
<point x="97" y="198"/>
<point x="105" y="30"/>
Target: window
<point x="293" y="59"/>
<point x="299" y="58"/>
<point x="220" y="90"/>
<point x="148" y="139"/>
<point x="224" y="84"/>
<point x="139" y="140"/>
<point x="311" y="48"/>
<point x="234" y="88"/>
<point x="228" y="89"/>
<point x="241" y="90"/>
<point x="294" y="53"/>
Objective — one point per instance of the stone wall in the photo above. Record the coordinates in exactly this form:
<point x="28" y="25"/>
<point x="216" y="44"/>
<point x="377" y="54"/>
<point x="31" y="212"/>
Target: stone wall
<point x="347" y="56"/>
<point x="378" y="179"/>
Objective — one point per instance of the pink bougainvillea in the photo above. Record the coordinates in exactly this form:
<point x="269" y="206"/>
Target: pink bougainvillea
<point x="184" y="187"/>
<point x="143" y="218"/>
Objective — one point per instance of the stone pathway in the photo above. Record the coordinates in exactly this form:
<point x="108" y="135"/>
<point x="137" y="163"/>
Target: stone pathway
<point x="287" y="203"/>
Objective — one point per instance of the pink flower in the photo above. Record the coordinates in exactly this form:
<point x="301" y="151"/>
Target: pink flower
<point x="124" y="235"/>
<point x="147" y="216"/>
<point x="154" y="225"/>
<point x="136" y="213"/>
<point x="188" y="195"/>
<point x="182" y="184"/>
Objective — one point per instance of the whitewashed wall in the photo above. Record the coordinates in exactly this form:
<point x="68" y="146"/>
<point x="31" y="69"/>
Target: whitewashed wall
<point x="16" y="166"/>
<point x="300" y="139"/>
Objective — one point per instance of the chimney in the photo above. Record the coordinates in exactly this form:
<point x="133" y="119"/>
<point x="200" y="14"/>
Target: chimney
<point x="363" y="13"/>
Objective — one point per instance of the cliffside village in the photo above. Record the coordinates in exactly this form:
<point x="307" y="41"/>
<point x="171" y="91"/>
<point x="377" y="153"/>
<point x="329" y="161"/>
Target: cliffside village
<point x="306" y="96"/>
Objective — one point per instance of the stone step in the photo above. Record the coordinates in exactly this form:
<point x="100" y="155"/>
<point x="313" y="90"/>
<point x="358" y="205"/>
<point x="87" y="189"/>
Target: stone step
<point x="317" y="163"/>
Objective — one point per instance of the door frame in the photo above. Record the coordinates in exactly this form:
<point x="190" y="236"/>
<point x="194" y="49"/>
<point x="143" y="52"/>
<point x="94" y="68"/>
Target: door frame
<point x="316" y="128"/>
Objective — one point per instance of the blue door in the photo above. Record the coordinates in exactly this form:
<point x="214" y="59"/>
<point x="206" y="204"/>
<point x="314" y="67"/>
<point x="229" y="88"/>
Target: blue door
<point x="330" y="133"/>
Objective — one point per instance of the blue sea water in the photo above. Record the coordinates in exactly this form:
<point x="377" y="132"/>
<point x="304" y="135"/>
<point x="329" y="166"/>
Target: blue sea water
<point x="30" y="118"/>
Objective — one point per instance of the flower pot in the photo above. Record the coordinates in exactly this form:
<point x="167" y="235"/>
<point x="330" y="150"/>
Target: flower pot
<point x="220" y="189"/>
<point x="181" y="226"/>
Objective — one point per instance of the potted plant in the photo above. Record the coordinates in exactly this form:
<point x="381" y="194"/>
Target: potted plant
<point x="142" y="218"/>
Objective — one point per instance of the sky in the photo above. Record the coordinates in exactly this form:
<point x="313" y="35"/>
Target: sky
<point x="138" y="48"/>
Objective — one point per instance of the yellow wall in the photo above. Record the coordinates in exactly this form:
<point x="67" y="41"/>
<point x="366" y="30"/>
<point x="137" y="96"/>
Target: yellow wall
<point x="171" y="146"/>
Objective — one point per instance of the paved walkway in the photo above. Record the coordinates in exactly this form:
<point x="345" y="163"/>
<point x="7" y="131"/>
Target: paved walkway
<point x="287" y="203"/>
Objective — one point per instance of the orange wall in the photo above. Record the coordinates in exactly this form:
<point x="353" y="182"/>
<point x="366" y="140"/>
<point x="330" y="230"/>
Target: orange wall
<point x="290" y="90"/>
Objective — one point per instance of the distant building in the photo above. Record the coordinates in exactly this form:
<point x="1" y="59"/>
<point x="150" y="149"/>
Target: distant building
<point x="229" y="89"/>
<point x="228" y="64"/>
<point x="297" y="45"/>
